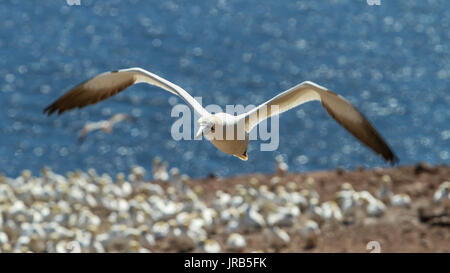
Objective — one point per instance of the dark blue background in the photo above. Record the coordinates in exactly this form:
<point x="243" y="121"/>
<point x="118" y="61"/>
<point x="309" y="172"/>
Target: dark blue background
<point x="392" y="61"/>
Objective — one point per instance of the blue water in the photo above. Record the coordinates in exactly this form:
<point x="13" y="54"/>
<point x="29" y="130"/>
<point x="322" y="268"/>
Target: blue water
<point x="392" y="61"/>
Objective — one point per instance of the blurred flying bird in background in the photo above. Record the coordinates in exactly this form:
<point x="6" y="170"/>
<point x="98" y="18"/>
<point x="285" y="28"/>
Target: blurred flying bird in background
<point x="105" y="125"/>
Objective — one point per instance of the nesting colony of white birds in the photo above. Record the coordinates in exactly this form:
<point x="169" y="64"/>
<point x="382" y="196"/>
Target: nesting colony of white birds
<point x="88" y="212"/>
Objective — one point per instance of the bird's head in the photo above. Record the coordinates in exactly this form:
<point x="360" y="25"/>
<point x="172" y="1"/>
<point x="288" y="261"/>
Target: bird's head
<point x="208" y="126"/>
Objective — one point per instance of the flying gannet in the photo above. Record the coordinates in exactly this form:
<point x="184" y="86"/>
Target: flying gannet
<point x="105" y="125"/>
<point x="109" y="84"/>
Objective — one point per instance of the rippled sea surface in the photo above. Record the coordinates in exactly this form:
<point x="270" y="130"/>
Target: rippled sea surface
<point x="392" y="61"/>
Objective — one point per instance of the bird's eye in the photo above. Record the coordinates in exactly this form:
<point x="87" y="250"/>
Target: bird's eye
<point x="213" y="128"/>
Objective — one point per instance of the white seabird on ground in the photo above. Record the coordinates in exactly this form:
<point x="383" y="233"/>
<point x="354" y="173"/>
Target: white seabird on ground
<point x="236" y="242"/>
<point x="442" y="195"/>
<point x="310" y="232"/>
<point x="281" y="166"/>
<point x="400" y="200"/>
<point x="278" y="238"/>
<point x="211" y="246"/>
<point x="159" y="169"/>
<point x="385" y="193"/>
<point x="253" y="219"/>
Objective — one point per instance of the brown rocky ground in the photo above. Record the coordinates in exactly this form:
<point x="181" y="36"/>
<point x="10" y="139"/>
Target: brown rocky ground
<point x="421" y="228"/>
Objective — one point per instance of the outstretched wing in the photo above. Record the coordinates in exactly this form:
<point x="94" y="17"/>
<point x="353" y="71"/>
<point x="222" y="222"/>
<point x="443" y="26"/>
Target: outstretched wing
<point x="92" y="126"/>
<point x="338" y="107"/>
<point x="120" y="117"/>
<point x="108" y="84"/>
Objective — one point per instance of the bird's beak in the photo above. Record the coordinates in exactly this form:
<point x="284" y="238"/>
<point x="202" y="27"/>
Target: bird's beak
<point x="200" y="131"/>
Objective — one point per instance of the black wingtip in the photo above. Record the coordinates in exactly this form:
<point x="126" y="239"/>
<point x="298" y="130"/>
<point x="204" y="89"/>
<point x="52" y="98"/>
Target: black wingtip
<point x="48" y="110"/>
<point x="80" y="141"/>
<point x="396" y="161"/>
<point x="393" y="160"/>
<point x="52" y="108"/>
